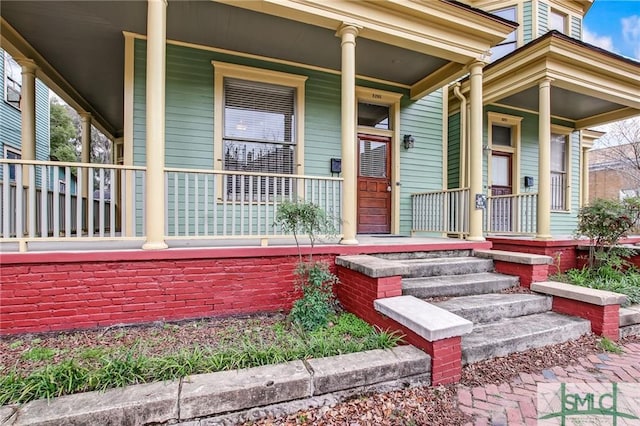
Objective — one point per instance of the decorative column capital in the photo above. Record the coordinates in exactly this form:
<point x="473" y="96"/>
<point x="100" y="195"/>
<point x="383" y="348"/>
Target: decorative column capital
<point x="85" y="116"/>
<point x="162" y="2"/>
<point x="545" y="82"/>
<point x="348" y="31"/>
<point x="476" y="65"/>
<point x="28" y="65"/>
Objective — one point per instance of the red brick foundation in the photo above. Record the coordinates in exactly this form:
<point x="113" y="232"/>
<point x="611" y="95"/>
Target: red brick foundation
<point x="357" y="292"/>
<point x="604" y="319"/>
<point x="82" y="294"/>
<point x="527" y="273"/>
<point x="563" y="252"/>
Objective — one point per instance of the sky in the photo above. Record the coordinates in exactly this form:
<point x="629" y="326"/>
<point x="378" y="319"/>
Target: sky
<point x="614" y="25"/>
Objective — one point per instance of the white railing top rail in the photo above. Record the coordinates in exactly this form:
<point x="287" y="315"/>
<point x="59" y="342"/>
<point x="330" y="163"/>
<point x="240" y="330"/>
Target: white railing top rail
<point x="442" y="191"/>
<point x="243" y="173"/>
<point x="522" y="194"/>
<point x="70" y="164"/>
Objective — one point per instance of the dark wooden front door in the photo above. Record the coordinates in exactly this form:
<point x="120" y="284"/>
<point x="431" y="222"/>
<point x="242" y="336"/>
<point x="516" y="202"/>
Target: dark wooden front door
<point x="374" y="184"/>
<point x="501" y="184"/>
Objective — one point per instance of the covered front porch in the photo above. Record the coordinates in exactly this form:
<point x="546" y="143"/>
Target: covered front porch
<point x="153" y="194"/>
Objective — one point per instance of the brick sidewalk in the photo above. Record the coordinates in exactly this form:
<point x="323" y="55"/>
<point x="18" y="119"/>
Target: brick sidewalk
<point x="514" y="403"/>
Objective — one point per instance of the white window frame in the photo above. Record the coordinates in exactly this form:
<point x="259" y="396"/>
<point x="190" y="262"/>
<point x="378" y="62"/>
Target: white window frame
<point x="518" y="34"/>
<point x="10" y="81"/>
<point x="224" y="70"/>
<point x="567" y="133"/>
<point x="515" y="123"/>
<point x="565" y="20"/>
<point x="14" y="150"/>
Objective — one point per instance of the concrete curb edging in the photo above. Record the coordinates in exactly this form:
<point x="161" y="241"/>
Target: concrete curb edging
<point x="223" y="392"/>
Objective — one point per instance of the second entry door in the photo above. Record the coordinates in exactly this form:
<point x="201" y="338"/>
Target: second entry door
<point x="374" y="185"/>
<point x="501" y="184"/>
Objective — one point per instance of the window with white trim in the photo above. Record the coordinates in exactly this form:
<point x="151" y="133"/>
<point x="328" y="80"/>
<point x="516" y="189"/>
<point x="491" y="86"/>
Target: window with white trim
<point x="510" y="43"/>
<point x="12" y="154"/>
<point x="12" y="81"/>
<point x="259" y="116"/>
<point x="259" y="132"/>
<point x="558" y="21"/>
<point x="559" y="177"/>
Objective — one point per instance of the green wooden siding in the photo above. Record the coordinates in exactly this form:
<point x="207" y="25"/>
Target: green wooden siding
<point x="543" y="18"/>
<point x="189" y="120"/>
<point x="527" y="24"/>
<point x="453" y="152"/>
<point x="421" y="166"/>
<point x="576" y="27"/>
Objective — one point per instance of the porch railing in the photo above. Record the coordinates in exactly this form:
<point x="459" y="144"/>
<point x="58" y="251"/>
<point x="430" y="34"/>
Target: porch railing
<point x="444" y="212"/>
<point x="56" y="200"/>
<point x="511" y="214"/>
<point x="215" y="203"/>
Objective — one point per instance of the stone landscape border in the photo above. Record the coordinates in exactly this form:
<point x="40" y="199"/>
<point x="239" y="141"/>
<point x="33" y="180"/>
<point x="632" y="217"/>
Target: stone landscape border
<point x="221" y="393"/>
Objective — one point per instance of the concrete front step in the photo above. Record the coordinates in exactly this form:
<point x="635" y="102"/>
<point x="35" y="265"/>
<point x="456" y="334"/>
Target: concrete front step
<point x="484" y="308"/>
<point x="445" y="266"/>
<point x="511" y="335"/>
<point x="457" y="285"/>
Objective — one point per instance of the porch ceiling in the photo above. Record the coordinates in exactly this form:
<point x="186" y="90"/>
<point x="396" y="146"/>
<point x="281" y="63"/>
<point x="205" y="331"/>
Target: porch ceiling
<point x="589" y="86"/>
<point x="79" y="45"/>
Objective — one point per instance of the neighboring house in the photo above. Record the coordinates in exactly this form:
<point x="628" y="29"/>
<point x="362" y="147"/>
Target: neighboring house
<point x="10" y="120"/>
<point x="614" y="173"/>
<point x="248" y="103"/>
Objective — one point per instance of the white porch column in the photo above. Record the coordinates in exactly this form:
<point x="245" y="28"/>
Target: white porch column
<point x="85" y="156"/>
<point x="348" y="34"/>
<point x="28" y="109"/>
<point x="544" y="160"/>
<point x="584" y="185"/>
<point x="156" y="60"/>
<point x="475" y="150"/>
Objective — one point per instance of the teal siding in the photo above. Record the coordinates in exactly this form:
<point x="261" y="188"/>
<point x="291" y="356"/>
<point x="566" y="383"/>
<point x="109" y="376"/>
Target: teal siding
<point x="322" y="122"/>
<point x="543" y="18"/>
<point x="42" y="121"/>
<point x="453" y="152"/>
<point x="576" y="27"/>
<point x="527" y="24"/>
<point x="9" y="117"/>
<point x="421" y="167"/>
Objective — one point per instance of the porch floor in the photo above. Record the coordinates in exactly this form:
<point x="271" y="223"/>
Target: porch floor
<point x="367" y="244"/>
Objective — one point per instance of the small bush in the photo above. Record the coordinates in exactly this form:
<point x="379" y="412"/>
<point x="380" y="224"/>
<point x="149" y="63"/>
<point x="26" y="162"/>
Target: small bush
<point x="317" y="304"/>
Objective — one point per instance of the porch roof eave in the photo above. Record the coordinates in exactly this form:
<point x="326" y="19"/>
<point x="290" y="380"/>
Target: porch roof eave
<point x="444" y="29"/>
<point x="598" y="86"/>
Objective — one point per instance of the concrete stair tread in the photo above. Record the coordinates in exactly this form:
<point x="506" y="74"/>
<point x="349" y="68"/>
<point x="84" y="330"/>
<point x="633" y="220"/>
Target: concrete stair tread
<point x="630" y="315"/>
<point x="488" y="307"/>
<point x="457" y="285"/>
<point x="445" y="266"/>
<point x="511" y="335"/>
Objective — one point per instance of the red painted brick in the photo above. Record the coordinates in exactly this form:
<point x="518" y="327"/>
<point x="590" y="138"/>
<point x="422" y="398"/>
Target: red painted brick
<point x="604" y="319"/>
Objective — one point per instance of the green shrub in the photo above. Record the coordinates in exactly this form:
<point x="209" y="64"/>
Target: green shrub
<point x="604" y="222"/>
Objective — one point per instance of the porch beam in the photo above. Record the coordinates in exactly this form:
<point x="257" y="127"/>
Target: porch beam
<point x="155" y="125"/>
<point x="475" y="151"/>
<point x="348" y="34"/>
<point x="28" y="108"/>
<point x="544" y="161"/>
